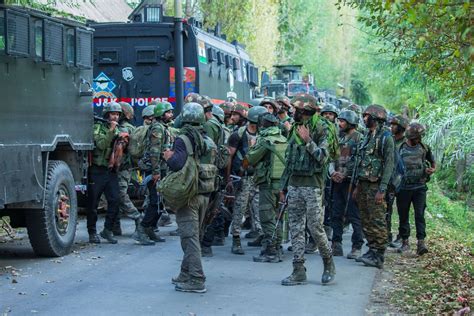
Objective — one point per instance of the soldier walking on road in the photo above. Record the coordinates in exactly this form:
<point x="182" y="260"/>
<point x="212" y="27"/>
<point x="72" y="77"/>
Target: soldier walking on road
<point x="303" y="182"/>
<point x="374" y="169"/>
<point x="103" y="179"/>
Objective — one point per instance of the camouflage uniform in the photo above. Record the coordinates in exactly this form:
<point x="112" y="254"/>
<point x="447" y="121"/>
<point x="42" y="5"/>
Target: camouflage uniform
<point x="246" y="198"/>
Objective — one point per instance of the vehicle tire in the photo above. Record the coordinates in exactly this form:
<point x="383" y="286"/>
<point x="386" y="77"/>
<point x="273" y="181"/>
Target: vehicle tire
<point x="52" y="230"/>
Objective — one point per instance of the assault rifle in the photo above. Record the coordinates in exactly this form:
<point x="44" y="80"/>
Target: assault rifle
<point x="280" y="214"/>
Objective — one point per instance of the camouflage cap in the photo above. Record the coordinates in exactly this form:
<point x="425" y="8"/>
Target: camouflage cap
<point x="203" y="100"/>
<point x="193" y="113"/>
<point x="349" y="116"/>
<point x="415" y="130"/>
<point x="378" y="112"/>
<point x="228" y="107"/>
<point x="111" y="107"/>
<point x="305" y="101"/>
<point x="127" y="110"/>
<point x="400" y="120"/>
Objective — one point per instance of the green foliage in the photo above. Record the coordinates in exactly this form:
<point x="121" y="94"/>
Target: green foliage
<point x="359" y="92"/>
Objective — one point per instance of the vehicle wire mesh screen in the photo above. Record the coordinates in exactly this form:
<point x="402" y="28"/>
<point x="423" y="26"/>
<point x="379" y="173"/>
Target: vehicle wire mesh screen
<point x="84" y="49"/>
<point x="53" y="42"/>
<point x="17" y="34"/>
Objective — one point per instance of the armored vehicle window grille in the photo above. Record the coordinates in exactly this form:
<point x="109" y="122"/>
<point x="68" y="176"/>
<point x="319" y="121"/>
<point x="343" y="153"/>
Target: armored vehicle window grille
<point x="53" y="42"/>
<point x="236" y="63"/>
<point x="108" y="56"/>
<point x="84" y="49"/>
<point x="70" y="46"/>
<point x="211" y="54"/>
<point x="147" y="55"/>
<point x="38" y="39"/>
<point x="2" y="30"/>
<point x="220" y="58"/>
<point x="17" y="34"/>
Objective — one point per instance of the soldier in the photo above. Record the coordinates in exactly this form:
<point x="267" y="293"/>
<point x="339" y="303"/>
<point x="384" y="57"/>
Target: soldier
<point x="375" y="166"/>
<point x="102" y="179"/>
<point x="239" y="116"/>
<point x="239" y="144"/>
<point x="420" y="165"/>
<point x="285" y="120"/>
<point x="270" y="104"/>
<point x="341" y="177"/>
<point x="303" y="182"/>
<point x="228" y="108"/>
<point x="330" y="112"/>
<point x="398" y="125"/>
<point x="147" y="114"/>
<point x="189" y="218"/>
<point x="267" y="156"/>
<point x="124" y="177"/>
<point x="159" y="139"/>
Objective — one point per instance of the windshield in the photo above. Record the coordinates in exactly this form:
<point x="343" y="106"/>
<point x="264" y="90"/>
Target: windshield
<point x="295" y="88"/>
<point x="274" y="90"/>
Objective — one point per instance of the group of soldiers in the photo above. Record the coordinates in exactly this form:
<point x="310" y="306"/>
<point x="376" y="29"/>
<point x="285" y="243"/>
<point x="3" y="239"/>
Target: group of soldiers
<point x="320" y="165"/>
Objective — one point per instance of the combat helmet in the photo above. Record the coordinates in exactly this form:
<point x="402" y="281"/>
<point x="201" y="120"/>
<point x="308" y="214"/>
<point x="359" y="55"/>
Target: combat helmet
<point x="242" y="110"/>
<point x="218" y="112"/>
<point x="255" y="112"/>
<point x="228" y="107"/>
<point x="284" y="102"/>
<point x="111" y="107"/>
<point x="203" y="100"/>
<point x="161" y="108"/>
<point x="355" y="107"/>
<point x="272" y="103"/>
<point x="127" y="110"/>
<point x="378" y="112"/>
<point x="148" y="111"/>
<point x="193" y="113"/>
<point x="305" y="101"/>
<point x="400" y="120"/>
<point x="349" y="116"/>
<point x="330" y="108"/>
<point x="415" y="130"/>
<point x="267" y="117"/>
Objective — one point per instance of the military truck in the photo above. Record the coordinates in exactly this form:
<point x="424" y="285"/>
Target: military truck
<point x="46" y="119"/>
<point x="134" y="62"/>
<point x="287" y="80"/>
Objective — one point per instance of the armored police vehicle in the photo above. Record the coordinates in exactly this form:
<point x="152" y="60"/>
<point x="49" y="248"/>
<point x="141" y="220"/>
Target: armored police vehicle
<point x="287" y="80"/>
<point x="46" y="119"/>
<point x="134" y="62"/>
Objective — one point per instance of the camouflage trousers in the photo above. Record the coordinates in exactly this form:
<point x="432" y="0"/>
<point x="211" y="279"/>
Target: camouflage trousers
<point x="246" y="199"/>
<point x="189" y="220"/>
<point x="126" y="206"/>
<point x="305" y="209"/>
<point x="268" y="203"/>
<point x="373" y="216"/>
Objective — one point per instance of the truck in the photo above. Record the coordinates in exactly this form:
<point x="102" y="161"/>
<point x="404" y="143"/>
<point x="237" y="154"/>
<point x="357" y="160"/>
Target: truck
<point x="46" y="118"/>
<point x="134" y="61"/>
<point x="287" y="80"/>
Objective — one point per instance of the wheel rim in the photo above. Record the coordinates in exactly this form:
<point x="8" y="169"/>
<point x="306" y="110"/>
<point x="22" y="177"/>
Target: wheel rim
<point x="62" y="208"/>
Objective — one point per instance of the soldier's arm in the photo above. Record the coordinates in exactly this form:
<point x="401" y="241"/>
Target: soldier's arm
<point x="156" y="142"/>
<point x="319" y="148"/>
<point x="103" y="137"/>
<point x="388" y="158"/>
<point x="257" y="152"/>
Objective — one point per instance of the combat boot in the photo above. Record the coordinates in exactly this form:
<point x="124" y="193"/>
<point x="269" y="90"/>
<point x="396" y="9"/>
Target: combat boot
<point x="252" y="234"/>
<point x="256" y="243"/>
<point x="218" y="240"/>
<point x="268" y="255"/>
<point x="354" y="254"/>
<point x="329" y="271"/>
<point x="108" y="235"/>
<point x="404" y="247"/>
<point x="297" y="277"/>
<point x="183" y="277"/>
<point x="192" y="285"/>
<point x="421" y="248"/>
<point x="165" y="220"/>
<point x="375" y="260"/>
<point x="365" y="255"/>
<point x="142" y="237"/>
<point x="150" y="232"/>
<point x="336" y="247"/>
<point x="206" y="251"/>
<point x="94" y="238"/>
<point x="117" y="229"/>
<point x="397" y="243"/>
<point x="237" y="246"/>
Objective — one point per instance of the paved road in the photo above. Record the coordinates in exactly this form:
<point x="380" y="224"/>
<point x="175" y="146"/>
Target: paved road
<point x="127" y="279"/>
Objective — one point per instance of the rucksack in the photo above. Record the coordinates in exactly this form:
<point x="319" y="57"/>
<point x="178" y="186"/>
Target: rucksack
<point x="223" y="155"/>
<point x="137" y="142"/>
<point x="179" y="187"/>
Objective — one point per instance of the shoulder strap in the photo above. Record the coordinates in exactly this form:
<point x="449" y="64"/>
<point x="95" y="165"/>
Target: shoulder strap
<point x="268" y="146"/>
<point x="188" y="144"/>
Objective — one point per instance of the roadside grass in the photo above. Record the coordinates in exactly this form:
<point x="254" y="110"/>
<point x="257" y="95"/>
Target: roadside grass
<point x="432" y="284"/>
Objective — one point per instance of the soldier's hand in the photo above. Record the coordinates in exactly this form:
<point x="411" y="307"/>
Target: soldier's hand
<point x="303" y="131"/>
<point x="282" y="197"/>
<point x="253" y="141"/>
<point x="167" y="154"/>
<point x="155" y="178"/>
<point x="430" y="171"/>
<point x="112" y="125"/>
<point x="379" y="197"/>
<point x="287" y="125"/>
<point x="337" y="177"/>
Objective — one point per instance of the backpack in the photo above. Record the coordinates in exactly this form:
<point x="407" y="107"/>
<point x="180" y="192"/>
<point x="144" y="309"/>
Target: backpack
<point x="179" y="187"/>
<point x="137" y="142"/>
<point x="207" y="169"/>
<point x="332" y="138"/>
<point x="223" y="155"/>
<point x="278" y="162"/>
<point x="399" y="170"/>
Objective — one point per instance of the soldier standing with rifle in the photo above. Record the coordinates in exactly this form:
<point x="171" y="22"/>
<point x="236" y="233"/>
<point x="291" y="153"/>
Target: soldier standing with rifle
<point x="342" y="177"/>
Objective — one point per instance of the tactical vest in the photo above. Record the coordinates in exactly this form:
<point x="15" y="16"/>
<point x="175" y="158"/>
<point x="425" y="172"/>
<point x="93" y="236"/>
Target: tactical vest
<point x="207" y="170"/>
<point x="240" y="153"/>
<point x="270" y="169"/>
<point x="371" y="157"/>
<point x="299" y="160"/>
<point x="101" y="157"/>
<point x="348" y="147"/>
<point x="414" y="159"/>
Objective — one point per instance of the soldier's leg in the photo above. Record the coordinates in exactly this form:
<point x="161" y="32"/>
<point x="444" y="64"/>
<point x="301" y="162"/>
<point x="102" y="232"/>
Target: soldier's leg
<point x="378" y="221"/>
<point x="267" y="216"/>
<point x="315" y="216"/>
<point x="364" y="203"/>
<point x="151" y="212"/>
<point x="419" y="205"/>
<point x="111" y="192"/>
<point x="297" y="222"/>
<point x="339" y="203"/>
<point x="241" y="202"/>
<point x="126" y="206"/>
<point x="354" y="218"/>
<point x="404" y="198"/>
<point x="389" y="198"/>
<point x="95" y="188"/>
<point x="255" y="209"/>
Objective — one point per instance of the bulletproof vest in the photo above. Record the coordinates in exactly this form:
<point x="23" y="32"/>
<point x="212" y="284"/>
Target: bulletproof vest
<point x="371" y="157"/>
<point x="348" y="147"/>
<point x="414" y="159"/>
<point x="207" y="168"/>
<point x="299" y="160"/>
<point x="101" y="157"/>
